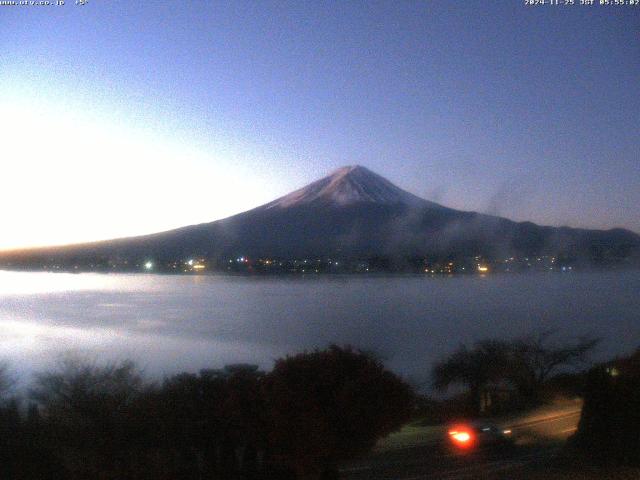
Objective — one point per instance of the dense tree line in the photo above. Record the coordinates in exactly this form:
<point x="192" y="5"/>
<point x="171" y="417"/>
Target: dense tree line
<point x="312" y="411"/>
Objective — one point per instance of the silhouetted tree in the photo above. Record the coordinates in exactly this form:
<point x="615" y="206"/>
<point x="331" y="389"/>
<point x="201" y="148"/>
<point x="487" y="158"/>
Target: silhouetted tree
<point x="522" y="365"/>
<point x="22" y="455"/>
<point x="87" y="410"/>
<point x="485" y="364"/>
<point x="535" y="358"/>
<point x="331" y="405"/>
<point x="6" y="381"/>
<point x="211" y="424"/>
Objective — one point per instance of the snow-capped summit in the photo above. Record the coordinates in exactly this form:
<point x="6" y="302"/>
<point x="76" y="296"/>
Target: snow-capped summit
<point x="351" y="185"/>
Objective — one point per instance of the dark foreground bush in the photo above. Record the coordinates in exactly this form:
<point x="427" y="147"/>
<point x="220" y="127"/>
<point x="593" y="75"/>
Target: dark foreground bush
<point x="329" y="406"/>
<point x="609" y="428"/>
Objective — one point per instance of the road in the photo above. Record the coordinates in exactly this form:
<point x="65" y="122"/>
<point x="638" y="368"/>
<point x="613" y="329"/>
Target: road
<point x="536" y="440"/>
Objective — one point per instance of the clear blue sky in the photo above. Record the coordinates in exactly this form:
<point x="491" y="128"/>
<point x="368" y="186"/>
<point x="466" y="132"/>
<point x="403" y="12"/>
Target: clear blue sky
<point x="128" y="117"/>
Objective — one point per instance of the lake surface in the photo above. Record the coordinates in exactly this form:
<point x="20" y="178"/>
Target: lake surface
<point x="173" y="323"/>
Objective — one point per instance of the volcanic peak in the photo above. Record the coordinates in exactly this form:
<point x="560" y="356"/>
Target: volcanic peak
<point x="350" y="185"/>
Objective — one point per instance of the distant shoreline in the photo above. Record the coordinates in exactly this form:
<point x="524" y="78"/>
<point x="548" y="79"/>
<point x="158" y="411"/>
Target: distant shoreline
<point x="386" y="274"/>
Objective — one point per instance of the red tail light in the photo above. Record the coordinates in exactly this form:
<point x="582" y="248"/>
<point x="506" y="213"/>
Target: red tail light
<point x="462" y="437"/>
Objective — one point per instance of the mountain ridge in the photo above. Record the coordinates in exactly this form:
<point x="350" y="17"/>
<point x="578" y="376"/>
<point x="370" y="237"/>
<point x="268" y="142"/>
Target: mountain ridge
<point x="352" y="213"/>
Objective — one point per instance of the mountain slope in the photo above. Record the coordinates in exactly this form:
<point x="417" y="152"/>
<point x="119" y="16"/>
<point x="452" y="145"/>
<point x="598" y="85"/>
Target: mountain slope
<point x="351" y="213"/>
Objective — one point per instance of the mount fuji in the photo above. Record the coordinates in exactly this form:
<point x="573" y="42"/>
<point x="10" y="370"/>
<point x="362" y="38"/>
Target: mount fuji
<point x="352" y="213"/>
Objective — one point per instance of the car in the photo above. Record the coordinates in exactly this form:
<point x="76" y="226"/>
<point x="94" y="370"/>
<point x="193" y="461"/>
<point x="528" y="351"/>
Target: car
<point x="471" y="436"/>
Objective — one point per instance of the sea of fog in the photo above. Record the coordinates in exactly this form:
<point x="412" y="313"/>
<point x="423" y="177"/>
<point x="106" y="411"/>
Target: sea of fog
<point x="173" y="323"/>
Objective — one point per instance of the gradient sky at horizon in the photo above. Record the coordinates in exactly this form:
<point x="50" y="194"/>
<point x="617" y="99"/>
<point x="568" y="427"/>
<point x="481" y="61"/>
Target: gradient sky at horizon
<point x="121" y="118"/>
